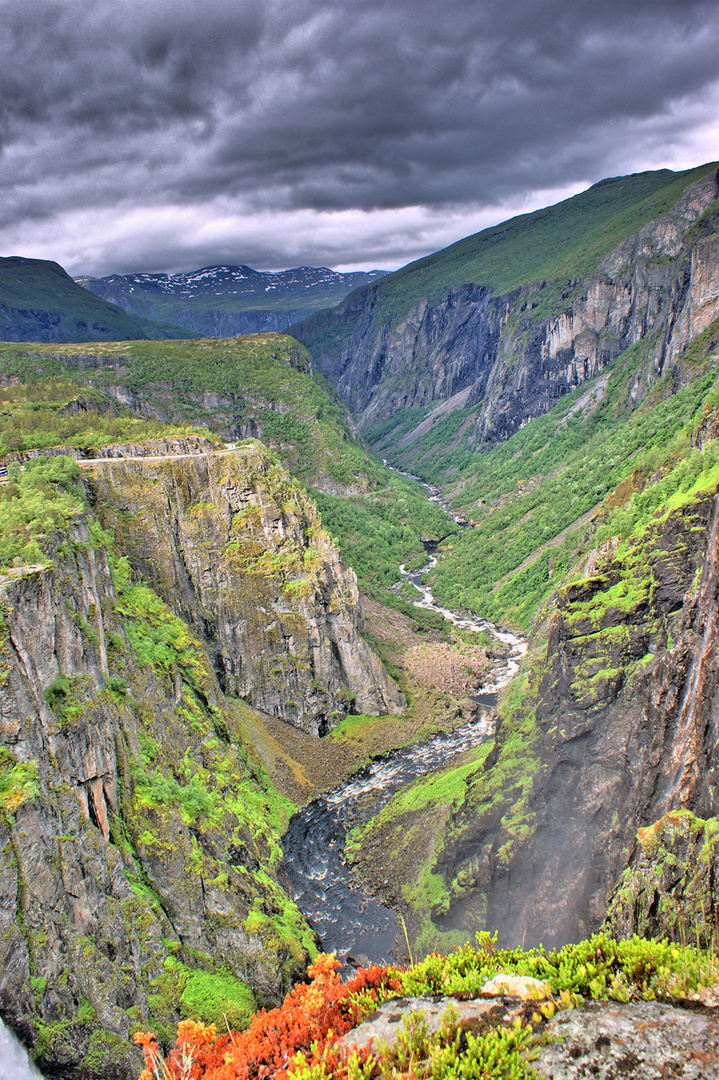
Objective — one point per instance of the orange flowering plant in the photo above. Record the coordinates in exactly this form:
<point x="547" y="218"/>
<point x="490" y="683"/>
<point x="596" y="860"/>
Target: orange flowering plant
<point x="282" y="1041"/>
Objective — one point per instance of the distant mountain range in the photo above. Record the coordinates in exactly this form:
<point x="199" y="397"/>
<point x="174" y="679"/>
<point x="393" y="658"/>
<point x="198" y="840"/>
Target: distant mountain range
<point x="39" y="301"/>
<point x="221" y="301"/>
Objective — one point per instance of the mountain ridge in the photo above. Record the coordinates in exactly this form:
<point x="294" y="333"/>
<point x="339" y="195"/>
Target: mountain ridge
<point x="516" y="340"/>
<point x="39" y="301"/>
<point x="229" y="299"/>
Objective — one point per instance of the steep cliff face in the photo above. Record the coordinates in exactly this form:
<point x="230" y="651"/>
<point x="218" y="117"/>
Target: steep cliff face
<point x="432" y="353"/>
<point x="521" y="351"/>
<point x="661" y="284"/>
<point x="615" y="726"/>
<point x="138" y="841"/>
<point x="237" y="549"/>
<point x="668" y="889"/>
<point x="140" y="836"/>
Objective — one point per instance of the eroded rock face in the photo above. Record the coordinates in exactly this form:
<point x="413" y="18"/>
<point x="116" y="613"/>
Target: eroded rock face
<point x="663" y="280"/>
<point x="132" y="824"/>
<point x="619" y="726"/>
<point x="668" y="889"/>
<point x="433" y="352"/>
<point x="237" y="549"/>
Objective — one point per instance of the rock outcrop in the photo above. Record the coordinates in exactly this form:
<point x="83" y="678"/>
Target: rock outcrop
<point x="616" y="726"/>
<point x="217" y="323"/>
<point x="138" y="842"/>
<point x="603" y="1040"/>
<point x="515" y="359"/>
<point x="237" y="549"/>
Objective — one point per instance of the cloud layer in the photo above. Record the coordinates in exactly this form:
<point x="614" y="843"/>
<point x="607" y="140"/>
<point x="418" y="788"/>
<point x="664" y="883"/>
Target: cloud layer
<point x="166" y="134"/>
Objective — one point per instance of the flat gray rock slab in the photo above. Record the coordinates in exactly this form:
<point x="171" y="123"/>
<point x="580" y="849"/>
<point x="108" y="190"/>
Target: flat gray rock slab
<point x="644" y="1040"/>
<point x="601" y="1041"/>
<point x="382" y="1025"/>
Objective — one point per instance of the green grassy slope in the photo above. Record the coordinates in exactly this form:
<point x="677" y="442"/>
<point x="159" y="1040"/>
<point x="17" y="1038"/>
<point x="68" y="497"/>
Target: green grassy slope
<point x="38" y="298"/>
<point x="560" y="242"/>
<point x="378" y="517"/>
<point x="553" y="245"/>
<point x="531" y="498"/>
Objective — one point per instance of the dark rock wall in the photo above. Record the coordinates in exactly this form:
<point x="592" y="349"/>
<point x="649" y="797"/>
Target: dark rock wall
<point x="518" y="361"/>
<point x="618" y="725"/>
<point x="138" y="841"/>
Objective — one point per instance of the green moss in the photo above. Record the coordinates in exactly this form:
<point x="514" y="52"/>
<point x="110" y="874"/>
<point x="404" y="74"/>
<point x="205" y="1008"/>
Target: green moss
<point x="18" y="781"/>
<point x="223" y="1000"/>
<point x="105" y="1052"/>
<point x="353" y="728"/>
<point x="440" y="789"/>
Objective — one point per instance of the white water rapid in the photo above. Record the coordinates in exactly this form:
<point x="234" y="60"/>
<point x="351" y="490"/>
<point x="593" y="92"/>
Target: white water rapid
<point x="14" y="1062"/>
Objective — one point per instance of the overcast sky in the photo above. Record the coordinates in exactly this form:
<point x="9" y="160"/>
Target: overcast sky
<point x="165" y="135"/>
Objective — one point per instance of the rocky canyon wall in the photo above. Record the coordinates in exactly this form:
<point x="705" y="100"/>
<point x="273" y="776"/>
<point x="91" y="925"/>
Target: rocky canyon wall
<point x="137" y="838"/>
<point x="140" y="835"/>
<point x="616" y="726"/>
<point x="519" y="353"/>
<point x="237" y="549"/>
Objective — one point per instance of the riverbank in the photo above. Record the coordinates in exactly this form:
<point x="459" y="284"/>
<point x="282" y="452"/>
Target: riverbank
<point x="357" y="912"/>
<point x="438" y="673"/>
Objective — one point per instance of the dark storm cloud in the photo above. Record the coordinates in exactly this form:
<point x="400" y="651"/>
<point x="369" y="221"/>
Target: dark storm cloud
<point x="333" y="105"/>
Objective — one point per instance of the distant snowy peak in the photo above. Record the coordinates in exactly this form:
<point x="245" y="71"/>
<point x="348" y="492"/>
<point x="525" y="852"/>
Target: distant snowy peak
<point x="227" y="300"/>
<point x="216" y="280"/>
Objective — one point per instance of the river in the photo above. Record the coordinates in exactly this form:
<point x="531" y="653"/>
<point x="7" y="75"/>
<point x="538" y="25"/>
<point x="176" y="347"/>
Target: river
<point x="347" y="918"/>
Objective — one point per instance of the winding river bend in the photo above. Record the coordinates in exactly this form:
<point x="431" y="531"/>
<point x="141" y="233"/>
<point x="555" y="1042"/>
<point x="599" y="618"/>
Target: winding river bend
<point x="347" y="918"/>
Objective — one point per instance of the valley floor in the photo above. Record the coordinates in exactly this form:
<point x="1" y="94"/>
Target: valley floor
<point x="438" y="678"/>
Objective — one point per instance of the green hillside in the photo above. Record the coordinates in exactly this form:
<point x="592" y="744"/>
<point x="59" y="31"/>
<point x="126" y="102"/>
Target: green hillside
<point x="535" y="501"/>
<point x="553" y="245"/>
<point x="263" y="381"/>
<point x="39" y="301"/>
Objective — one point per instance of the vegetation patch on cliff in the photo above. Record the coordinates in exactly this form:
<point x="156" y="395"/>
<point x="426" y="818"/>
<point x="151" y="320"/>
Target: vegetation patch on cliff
<point x="414" y="849"/>
<point x="310" y="1038"/>
<point x="36" y="506"/>
<point x="667" y="891"/>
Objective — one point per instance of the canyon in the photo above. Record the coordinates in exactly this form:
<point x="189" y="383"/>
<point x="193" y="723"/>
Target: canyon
<point x="504" y="353"/>
<point x="199" y="636"/>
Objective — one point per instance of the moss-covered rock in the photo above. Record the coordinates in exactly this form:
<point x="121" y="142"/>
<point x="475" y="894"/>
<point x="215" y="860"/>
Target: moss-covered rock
<point x="668" y="889"/>
<point x="236" y="547"/>
<point x="139" y="835"/>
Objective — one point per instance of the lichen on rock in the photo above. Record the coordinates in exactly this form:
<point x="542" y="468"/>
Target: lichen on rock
<point x="236" y="547"/>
